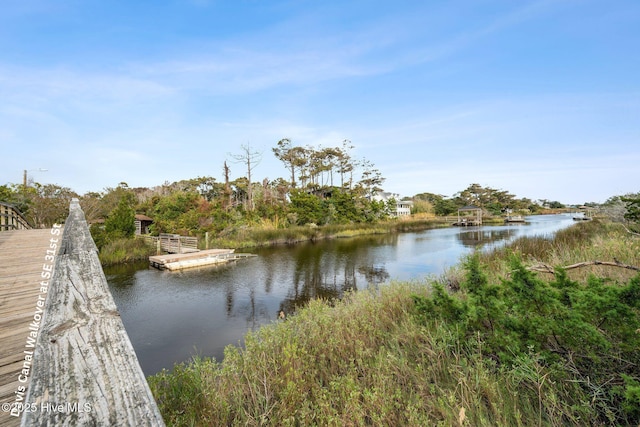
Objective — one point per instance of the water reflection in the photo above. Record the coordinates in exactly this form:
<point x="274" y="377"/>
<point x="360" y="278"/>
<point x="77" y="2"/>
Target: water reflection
<point x="478" y="237"/>
<point x="171" y="315"/>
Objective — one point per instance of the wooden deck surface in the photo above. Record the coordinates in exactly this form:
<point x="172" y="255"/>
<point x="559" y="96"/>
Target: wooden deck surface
<point x="22" y="256"/>
<point x="203" y="258"/>
<point x="169" y="258"/>
<point x="85" y="370"/>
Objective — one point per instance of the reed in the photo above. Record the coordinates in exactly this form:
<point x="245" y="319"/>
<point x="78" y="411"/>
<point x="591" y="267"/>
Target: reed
<point x="596" y="240"/>
<point x="362" y="361"/>
<point x="124" y="251"/>
<point x="266" y="234"/>
<point x="367" y="360"/>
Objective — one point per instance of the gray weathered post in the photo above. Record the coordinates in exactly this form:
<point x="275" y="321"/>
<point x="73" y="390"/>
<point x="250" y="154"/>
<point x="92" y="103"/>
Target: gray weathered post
<point x="85" y="371"/>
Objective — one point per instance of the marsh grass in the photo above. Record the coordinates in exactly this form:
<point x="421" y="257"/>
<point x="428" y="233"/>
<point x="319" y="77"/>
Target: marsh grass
<point x="365" y="360"/>
<point x="124" y="250"/>
<point x="596" y="240"/>
<point x="266" y="234"/>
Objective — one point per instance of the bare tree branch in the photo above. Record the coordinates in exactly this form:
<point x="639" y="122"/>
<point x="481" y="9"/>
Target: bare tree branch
<point x="546" y="268"/>
<point x="251" y="159"/>
<point x="629" y="231"/>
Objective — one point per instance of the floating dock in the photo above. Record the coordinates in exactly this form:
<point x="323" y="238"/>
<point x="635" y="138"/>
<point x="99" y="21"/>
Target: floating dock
<point x="467" y="222"/>
<point x="204" y="258"/>
<point x="514" y="218"/>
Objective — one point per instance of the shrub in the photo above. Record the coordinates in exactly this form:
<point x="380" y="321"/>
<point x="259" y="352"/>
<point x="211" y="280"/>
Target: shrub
<point x="586" y="333"/>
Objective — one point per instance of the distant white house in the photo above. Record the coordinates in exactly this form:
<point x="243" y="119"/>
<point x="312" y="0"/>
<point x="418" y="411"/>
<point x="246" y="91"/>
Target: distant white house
<point x="403" y="207"/>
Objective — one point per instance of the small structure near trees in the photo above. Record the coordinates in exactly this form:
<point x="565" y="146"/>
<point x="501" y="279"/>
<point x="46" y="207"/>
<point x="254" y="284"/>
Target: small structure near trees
<point x="469" y="215"/>
<point x="142" y="223"/>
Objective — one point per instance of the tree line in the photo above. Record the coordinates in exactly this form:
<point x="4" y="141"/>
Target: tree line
<point x="323" y="185"/>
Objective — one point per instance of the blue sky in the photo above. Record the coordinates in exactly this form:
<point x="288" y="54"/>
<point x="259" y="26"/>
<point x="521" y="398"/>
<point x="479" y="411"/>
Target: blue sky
<point x="540" y="98"/>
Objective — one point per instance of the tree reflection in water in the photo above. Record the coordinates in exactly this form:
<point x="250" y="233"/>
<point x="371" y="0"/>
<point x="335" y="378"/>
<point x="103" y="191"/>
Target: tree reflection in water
<point x="169" y="315"/>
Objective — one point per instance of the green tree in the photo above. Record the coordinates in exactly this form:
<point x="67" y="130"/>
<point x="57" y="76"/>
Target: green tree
<point x="174" y="213"/>
<point x="345" y="164"/>
<point x="8" y="195"/>
<point x="19" y="196"/>
<point x="445" y="207"/>
<point x="556" y="205"/>
<point x="121" y="221"/>
<point x="371" y="180"/>
<point x="344" y="207"/>
<point x="633" y="209"/>
<point x="293" y="157"/>
<point x="492" y="200"/>
<point x="50" y="204"/>
<point x="306" y="208"/>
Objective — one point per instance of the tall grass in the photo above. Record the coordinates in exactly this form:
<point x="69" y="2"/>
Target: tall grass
<point x="124" y="250"/>
<point x="361" y="362"/>
<point x="364" y="360"/>
<point x="267" y="234"/>
<point x="596" y="240"/>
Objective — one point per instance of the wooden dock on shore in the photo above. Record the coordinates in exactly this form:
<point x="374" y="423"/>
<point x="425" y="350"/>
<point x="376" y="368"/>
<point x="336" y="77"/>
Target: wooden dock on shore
<point x="203" y="258"/>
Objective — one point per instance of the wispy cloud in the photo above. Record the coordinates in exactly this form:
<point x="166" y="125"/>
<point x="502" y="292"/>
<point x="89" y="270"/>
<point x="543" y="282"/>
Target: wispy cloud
<point x="401" y="81"/>
<point x="69" y="84"/>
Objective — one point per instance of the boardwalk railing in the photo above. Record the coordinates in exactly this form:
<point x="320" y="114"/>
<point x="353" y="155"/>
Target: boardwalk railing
<point x="172" y="243"/>
<point x="12" y="219"/>
<point x="85" y="371"/>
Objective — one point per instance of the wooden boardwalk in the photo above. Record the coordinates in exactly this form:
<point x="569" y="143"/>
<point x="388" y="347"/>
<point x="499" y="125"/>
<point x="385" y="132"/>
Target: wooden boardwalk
<point x="65" y="357"/>
<point x="22" y="259"/>
<point x="85" y="370"/>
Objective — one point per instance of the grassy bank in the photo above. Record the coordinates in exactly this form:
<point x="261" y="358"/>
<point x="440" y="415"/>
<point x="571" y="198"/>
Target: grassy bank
<point x="129" y="250"/>
<point x="122" y="251"/>
<point x="267" y="235"/>
<point x="588" y="241"/>
<point x="409" y="355"/>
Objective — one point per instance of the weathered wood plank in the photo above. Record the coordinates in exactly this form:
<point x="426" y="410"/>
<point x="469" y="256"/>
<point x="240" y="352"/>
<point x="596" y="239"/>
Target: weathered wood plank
<point x="204" y="258"/>
<point x="11" y="218"/>
<point x="84" y="360"/>
<point x="22" y="254"/>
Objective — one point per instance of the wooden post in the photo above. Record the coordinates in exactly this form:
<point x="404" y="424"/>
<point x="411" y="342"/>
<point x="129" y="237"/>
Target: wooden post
<point x="85" y="371"/>
<point x="206" y="240"/>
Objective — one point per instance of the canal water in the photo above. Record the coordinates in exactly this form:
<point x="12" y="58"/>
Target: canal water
<point x="171" y="316"/>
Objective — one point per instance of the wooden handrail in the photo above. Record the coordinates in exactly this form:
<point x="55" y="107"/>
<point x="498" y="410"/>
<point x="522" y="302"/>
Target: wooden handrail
<point x="85" y="370"/>
<point x="12" y="219"/>
<point x="171" y="243"/>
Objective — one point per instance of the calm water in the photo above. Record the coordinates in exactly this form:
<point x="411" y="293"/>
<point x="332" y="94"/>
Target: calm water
<point x="171" y="316"/>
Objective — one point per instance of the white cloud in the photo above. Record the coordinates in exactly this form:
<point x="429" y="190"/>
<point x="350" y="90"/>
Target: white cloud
<point x="177" y="114"/>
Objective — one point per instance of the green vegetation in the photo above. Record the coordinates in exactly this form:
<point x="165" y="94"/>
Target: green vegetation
<point x="115" y="238"/>
<point x="633" y="210"/>
<point x="492" y="201"/>
<point x="508" y="346"/>
<point x="42" y="205"/>
<point x="327" y="193"/>
<point x="120" y="222"/>
<point x="125" y="250"/>
<point x="243" y="237"/>
<point x="517" y="336"/>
